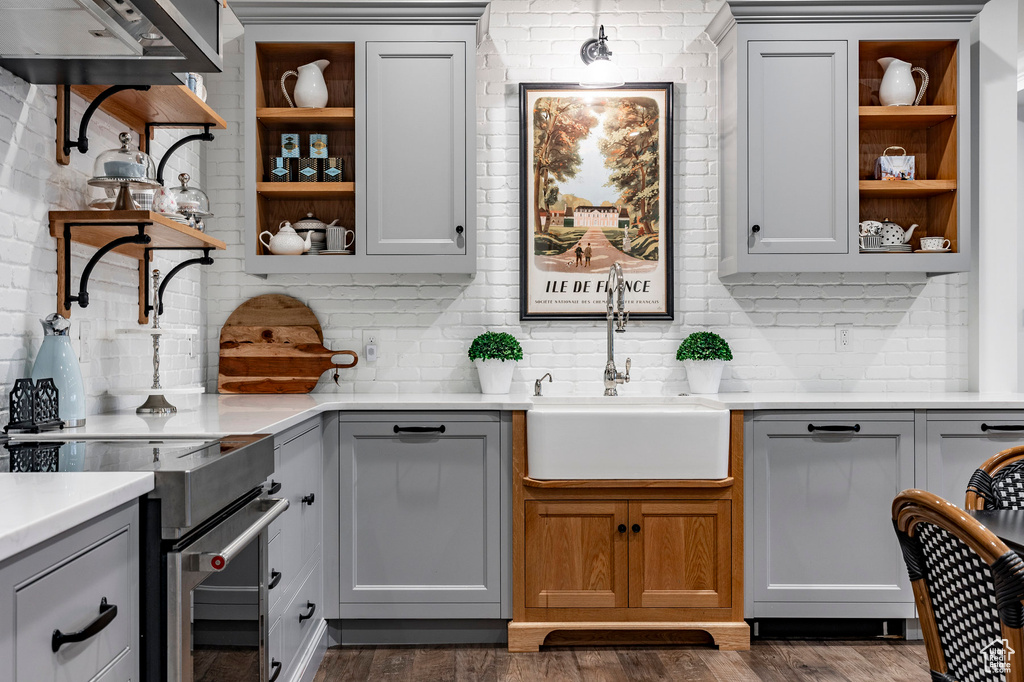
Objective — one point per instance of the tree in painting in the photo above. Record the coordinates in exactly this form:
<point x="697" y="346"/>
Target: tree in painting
<point x="558" y="126"/>
<point x="630" y="147"/>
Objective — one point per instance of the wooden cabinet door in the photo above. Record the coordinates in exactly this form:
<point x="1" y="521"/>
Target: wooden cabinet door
<point x="798" y="147"/>
<point x="416" y="148"/>
<point x="576" y="554"/>
<point x="680" y="553"/>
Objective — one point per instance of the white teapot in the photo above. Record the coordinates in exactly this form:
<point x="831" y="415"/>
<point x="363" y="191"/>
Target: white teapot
<point x="893" y="234"/>
<point x="287" y="241"/>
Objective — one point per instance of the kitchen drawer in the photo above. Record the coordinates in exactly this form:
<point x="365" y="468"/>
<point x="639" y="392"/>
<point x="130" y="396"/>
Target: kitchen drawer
<point x="296" y="633"/>
<point x="68" y="598"/>
<point x="960" y="442"/>
<point x="275" y="651"/>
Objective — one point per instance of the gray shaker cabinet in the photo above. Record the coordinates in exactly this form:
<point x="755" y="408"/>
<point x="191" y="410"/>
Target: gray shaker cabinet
<point x="822" y="536"/>
<point x="798" y="149"/>
<point x="421" y="515"/>
<point x="416" y="140"/>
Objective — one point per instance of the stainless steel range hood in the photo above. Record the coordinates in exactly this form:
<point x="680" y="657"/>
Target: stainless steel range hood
<point x="109" y="42"/>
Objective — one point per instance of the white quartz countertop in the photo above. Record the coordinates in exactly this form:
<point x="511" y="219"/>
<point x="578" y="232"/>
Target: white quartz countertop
<point x="225" y="415"/>
<point x="37" y="507"/>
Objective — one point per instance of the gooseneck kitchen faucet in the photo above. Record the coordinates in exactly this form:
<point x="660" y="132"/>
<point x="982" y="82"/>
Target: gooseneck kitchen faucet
<point x="618" y="318"/>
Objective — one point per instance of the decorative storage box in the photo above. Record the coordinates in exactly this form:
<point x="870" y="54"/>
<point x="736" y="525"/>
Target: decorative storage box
<point x="290" y="145"/>
<point x="309" y="170"/>
<point x="895" y="167"/>
<point x="318" y="145"/>
<point x="281" y="169"/>
<point x="334" y="169"/>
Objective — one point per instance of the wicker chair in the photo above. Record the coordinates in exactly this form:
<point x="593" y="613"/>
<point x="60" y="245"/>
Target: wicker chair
<point x="999" y="483"/>
<point x="968" y="587"/>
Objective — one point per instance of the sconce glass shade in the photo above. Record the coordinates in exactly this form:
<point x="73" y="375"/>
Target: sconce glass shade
<point x="600" y="71"/>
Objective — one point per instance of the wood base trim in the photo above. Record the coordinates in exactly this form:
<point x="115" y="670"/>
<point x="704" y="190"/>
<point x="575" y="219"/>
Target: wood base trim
<point x="529" y="637"/>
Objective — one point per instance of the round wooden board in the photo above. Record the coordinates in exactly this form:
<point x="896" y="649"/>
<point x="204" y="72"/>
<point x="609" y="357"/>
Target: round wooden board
<point x="274" y="310"/>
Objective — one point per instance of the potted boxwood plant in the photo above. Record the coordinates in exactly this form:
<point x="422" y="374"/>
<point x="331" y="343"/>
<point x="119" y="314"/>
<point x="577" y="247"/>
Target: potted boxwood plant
<point x="495" y="355"/>
<point x="704" y="355"/>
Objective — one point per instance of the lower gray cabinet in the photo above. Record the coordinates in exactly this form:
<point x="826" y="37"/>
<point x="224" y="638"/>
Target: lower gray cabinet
<point x="421" y="515"/>
<point x="823" y="543"/>
<point x="960" y="442"/>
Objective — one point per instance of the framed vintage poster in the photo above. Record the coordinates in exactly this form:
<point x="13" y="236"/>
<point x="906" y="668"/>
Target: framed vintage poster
<point x="595" y="188"/>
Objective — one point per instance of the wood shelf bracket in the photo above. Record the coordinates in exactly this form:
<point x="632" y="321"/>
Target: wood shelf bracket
<point x="205" y="136"/>
<point x="82" y="297"/>
<point x="66" y="144"/>
<point x="145" y="307"/>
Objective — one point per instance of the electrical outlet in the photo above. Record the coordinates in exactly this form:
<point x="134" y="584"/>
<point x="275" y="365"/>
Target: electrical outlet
<point x="371" y="345"/>
<point x="191" y="347"/>
<point x="844" y="338"/>
<point x="85" y="341"/>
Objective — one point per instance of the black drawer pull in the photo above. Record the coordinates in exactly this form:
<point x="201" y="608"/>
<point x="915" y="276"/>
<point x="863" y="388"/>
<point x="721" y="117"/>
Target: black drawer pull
<point x="838" y="428"/>
<point x="275" y="665"/>
<point x="636" y="527"/>
<point x="622" y="528"/>
<point x="108" y="612"/>
<point x="275" y="578"/>
<point x="1007" y="427"/>
<point x="309" y="499"/>
<point x="306" y="616"/>
<point x="275" y="487"/>
<point x="419" y="429"/>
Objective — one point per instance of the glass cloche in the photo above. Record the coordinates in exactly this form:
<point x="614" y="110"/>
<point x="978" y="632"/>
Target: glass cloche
<point x="124" y="168"/>
<point x="192" y="201"/>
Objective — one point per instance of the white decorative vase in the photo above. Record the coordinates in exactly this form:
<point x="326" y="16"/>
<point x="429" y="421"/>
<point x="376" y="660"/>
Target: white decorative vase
<point x="495" y="375"/>
<point x="704" y="375"/>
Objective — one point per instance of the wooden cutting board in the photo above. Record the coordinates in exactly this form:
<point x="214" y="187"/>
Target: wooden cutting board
<point x="274" y="344"/>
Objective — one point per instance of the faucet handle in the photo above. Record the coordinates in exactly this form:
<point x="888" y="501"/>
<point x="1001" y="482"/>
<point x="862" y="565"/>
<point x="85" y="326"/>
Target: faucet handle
<point x="629" y="363"/>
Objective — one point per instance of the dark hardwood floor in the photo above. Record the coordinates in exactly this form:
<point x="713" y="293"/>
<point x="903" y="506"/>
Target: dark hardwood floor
<point x="880" y="660"/>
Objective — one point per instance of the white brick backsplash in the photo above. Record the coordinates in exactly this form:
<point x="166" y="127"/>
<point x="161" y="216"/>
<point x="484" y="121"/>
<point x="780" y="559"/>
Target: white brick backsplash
<point x="31" y="184"/>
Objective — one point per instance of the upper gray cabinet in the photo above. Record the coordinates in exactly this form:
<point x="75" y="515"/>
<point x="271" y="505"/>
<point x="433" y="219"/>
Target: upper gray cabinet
<point x="416" y="196"/>
<point x="400" y="115"/>
<point x="801" y="125"/>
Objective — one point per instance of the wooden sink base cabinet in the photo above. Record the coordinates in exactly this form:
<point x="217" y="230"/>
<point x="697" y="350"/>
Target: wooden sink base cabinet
<point x="627" y="562"/>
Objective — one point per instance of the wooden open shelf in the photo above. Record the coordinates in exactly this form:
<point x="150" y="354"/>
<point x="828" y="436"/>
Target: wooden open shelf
<point x="99" y="228"/>
<point x="340" y="117"/>
<point x="894" y="189"/>
<point x="878" y="117"/>
<point x="306" y="190"/>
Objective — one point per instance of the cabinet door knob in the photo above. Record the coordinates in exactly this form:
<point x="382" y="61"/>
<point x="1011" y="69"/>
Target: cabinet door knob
<point x="306" y="616"/>
<point x="622" y="528"/>
<point x="459" y="229"/>
<point x="755" y="229"/>
<point x="308" y="499"/>
<point x="636" y="527"/>
<point x="275" y="578"/>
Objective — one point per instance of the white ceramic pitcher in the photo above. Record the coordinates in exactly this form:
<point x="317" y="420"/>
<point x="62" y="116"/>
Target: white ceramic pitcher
<point x="310" y="88"/>
<point x="898" y="88"/>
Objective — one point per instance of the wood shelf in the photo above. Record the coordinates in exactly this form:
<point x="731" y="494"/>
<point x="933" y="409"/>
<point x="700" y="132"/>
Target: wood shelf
<point x="629" y="483"/>
<point x="306" y="190"/>
<point x="160" y="104"/>
<point x="876" y="118"/>
<point x="99" y="228"/>
<point x="337" y="117"/>
<point x="905" y="189"/>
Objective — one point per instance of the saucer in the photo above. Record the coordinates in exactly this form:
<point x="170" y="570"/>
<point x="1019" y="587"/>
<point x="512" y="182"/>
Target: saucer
<point x="336" y="253"/>
<point x="932" y="251"/>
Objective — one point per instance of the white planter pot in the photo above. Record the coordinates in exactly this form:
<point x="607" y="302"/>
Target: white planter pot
<point x="704" y="375"/>
<point x="495" y="375"/>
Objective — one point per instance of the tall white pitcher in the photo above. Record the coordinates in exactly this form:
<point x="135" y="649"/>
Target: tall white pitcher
<point x="310" y="88"/>
<point x="898" y="88"/>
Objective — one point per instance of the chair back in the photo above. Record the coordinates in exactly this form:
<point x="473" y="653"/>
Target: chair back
<point x="968" y="587"/>
<point x="999" y="482"/>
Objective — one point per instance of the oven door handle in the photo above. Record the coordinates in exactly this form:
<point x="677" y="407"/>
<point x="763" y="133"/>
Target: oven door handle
<point x="201" y="557"/>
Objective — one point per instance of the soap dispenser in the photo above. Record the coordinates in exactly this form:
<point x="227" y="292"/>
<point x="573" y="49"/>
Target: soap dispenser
<point x="57" y="359"/>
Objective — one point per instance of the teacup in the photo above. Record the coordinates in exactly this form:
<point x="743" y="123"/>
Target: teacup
<point x="340" y="238"/>
<point x="934" y="243"/>
<point x="871" y="241"/>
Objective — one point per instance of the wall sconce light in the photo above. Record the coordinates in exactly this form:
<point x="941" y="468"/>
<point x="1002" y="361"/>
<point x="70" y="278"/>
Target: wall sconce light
<point x="600" y="71"/>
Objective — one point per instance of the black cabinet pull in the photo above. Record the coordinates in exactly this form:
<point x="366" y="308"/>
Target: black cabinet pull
<point x="419" y="429"/>
<point x="309" y="499"/>
<point x="108" y="612"/>
<point x="275" y="487"/>
<point x="755" y="229"/>
<point x="622" y="528"/>
<point x="636" y="527"/>
<point x="275" y="666"/>
<point x="275" y="578"/>
<point x="1007" y="427"/>
<point x="459" y="229"/>
<point x="838" y="428"/>
<point x="306" y="616"/>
